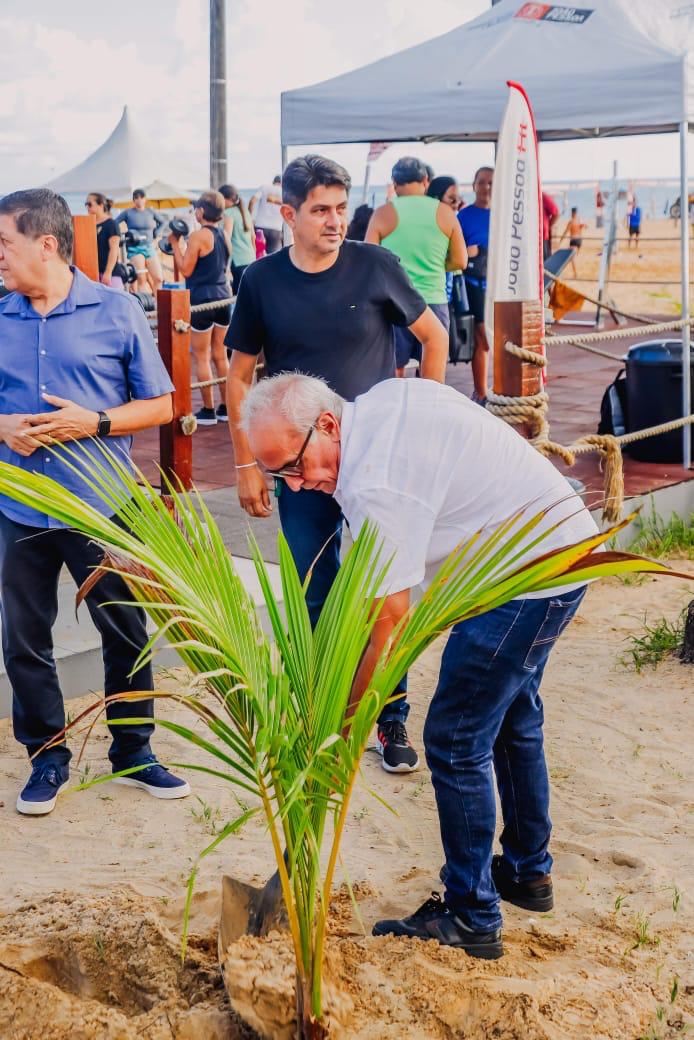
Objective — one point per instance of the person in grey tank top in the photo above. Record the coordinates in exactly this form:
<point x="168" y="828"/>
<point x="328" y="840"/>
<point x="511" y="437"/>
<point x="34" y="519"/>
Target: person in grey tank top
<point x="143" y="255"/>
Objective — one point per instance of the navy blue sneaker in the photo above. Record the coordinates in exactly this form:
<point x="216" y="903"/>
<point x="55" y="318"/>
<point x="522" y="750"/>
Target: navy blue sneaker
<point x="435" y="920"/>
<point x="41" y="790"/>
<point x="155" y="779"/>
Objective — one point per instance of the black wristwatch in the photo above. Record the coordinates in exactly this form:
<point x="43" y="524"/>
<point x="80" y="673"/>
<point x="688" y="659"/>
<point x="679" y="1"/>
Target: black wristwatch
<point x="104" y="427"/>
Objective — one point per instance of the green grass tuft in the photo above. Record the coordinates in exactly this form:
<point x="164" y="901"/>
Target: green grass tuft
<point x="660" y="640"/>
<point x="658" y="538"/>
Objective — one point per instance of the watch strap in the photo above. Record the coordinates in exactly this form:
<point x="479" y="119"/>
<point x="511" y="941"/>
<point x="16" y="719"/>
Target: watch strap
<point x="104" y="427"/>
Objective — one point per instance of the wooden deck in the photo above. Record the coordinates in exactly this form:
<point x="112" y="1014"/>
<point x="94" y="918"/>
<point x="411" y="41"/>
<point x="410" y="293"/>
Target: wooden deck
<point x="576" y="382"/>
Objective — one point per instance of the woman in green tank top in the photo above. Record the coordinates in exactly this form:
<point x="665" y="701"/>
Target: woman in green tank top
<point x="425" y="235"/>
<point x="239" y="227"/>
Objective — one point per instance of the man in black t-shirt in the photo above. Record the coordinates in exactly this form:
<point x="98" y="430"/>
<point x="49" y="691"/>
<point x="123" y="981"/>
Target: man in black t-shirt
<point x="325" y="307"/>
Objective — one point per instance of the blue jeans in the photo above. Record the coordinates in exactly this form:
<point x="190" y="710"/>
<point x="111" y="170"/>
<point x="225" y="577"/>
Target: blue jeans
<point x="312" y="524"/>
<point x="487" y="712"/>
<point x="31" y="559"/>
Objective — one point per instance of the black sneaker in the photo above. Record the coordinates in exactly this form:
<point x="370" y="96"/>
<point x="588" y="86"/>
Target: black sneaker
<point x="534" y="895"/>
<point x="40" y="793"/>
<point x="155" y="779"/>
<point x="206" y="417"/>
<point x="435" y="920"/>
<point x="398" y="754"/>
<point x="222" y="412"/>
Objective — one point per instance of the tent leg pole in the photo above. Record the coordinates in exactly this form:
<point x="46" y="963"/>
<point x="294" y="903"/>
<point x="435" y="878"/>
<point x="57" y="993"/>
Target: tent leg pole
<point x="284" y="157"/>
<point x="684" y="248"/>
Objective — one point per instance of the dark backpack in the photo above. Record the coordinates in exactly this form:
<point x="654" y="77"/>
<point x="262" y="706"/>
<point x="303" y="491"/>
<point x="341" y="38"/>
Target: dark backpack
<point x="614" y="417"/>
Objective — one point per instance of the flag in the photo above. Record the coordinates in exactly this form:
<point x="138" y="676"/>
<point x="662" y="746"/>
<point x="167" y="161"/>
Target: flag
<point x="514" y="262"/>
<point x="376" y="149"/>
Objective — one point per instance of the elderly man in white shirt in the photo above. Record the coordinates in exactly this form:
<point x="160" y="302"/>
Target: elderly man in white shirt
<point x="431" y="469"/>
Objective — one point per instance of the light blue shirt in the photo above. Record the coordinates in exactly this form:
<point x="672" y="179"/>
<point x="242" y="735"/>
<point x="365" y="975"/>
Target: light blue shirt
<point x="96" y="349"/>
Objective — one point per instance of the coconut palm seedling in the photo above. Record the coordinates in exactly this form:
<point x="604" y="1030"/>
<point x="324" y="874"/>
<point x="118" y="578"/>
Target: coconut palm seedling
<point x="275" y="710"/>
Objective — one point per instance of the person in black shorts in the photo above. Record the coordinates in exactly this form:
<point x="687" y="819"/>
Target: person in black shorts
<point x="574" y="229"/>
<point x="324" y="306"/>
<point x="107" y="239"/>
<point x="204" y="265"/>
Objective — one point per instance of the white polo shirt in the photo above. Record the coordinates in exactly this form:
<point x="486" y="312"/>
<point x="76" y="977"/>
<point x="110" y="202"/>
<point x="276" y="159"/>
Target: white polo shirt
<point x="431" y="468"/>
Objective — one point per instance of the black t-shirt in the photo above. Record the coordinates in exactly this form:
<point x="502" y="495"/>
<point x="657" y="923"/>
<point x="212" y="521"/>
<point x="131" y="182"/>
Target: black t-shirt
<point x="336" y="324"/>
<point x="105" y="230"/>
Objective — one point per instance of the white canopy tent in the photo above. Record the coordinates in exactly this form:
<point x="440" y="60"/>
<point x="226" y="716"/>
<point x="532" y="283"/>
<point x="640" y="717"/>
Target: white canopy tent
<point x="127" y="159"/>
<point x="611" y="68"/>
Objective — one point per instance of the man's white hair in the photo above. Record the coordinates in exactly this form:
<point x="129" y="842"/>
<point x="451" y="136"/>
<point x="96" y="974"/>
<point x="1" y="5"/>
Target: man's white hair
<point x="297" y="398"/>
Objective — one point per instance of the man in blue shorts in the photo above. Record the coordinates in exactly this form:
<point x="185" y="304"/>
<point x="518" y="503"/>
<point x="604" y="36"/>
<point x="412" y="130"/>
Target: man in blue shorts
<point x="474" y="221"/>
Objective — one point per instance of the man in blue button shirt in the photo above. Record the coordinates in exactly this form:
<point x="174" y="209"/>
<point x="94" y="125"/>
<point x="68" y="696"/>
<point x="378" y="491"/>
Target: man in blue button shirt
<point x="77" y="360"/>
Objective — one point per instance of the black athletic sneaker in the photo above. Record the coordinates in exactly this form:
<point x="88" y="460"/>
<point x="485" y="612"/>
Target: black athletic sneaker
<point x="222" y="412"/>
<point x="534" y="895"/>
<point x="435" y="920"/>
<point x="398" y="754"/>
<point x="206" y="417"/>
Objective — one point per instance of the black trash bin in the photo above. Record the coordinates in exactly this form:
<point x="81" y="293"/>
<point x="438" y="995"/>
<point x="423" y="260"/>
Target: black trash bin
<point x="654" y="396"/>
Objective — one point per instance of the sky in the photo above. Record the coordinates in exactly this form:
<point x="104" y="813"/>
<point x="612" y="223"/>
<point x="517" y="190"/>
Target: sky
<point x="68" y="68"/>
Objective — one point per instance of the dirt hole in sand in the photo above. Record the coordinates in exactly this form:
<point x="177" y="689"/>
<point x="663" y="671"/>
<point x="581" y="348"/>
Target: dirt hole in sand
<point x="103" y="968"/>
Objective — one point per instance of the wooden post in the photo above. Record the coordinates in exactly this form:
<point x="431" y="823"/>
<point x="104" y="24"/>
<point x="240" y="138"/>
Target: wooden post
<point x="521" y="323"/>
<point x="84" y="252"/>
<point x="176" y="447"/>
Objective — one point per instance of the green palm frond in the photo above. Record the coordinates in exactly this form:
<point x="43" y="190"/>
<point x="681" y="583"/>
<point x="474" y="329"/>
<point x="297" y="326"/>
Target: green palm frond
<point x="274" y="708"/>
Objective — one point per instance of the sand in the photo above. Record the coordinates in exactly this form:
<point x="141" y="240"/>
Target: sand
<point x="657" y="257"/>
<point x="93" y="894"/>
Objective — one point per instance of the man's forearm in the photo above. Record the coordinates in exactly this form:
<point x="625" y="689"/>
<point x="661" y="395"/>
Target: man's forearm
<point x="237" y="388"/>
<point x="112" y="260"/>
<point x="140" y="415"/>
<point x="379" y="637"/>
<point x="435" y="356"/>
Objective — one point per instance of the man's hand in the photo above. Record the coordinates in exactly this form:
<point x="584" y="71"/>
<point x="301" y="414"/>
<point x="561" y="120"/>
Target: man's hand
<point x="71" y="422"/>
<point x="253" y="493"/>
<point x="17" y="433"/>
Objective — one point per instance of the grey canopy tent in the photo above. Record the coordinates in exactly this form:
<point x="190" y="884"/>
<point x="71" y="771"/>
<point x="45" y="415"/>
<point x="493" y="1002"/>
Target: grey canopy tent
<point x="611" y="68"/>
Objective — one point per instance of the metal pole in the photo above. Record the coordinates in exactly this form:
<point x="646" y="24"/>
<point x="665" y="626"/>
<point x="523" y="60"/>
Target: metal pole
<point x="284" y="157"/>
<point x="684" y="254"/>
<point x="218" y="86"/>
<point x="367" y="179"/>
<point x="609" y="235"/>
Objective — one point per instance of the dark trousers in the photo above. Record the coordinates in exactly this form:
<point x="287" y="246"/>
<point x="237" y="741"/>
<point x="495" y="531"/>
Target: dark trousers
<point x="273" y="239"/>
<point x="30" y="562"/>
<point x="486" y="717"/>
<point x="312" y="524"/>
<point x="236" y="276"/>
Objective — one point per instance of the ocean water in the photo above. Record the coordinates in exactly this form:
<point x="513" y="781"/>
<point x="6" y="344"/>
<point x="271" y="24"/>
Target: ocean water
<point x="654" y="196"/>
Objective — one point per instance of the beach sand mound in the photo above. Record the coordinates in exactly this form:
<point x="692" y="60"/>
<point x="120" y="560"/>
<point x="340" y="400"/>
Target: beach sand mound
<point x="105" y="969"/>
<point x="549" y="986"/>
<point x="93" y="894"/>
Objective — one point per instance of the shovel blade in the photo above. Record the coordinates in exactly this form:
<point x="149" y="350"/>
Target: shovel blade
<point x="248" y="910"/>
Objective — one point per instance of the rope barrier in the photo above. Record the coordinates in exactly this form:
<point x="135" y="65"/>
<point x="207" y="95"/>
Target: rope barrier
<point x="532" y="409"/>
<point x="211" y="305"/>
<point x="208" y="382"/>
<point x="610" y="334"/>
<point x="632" y="281"/>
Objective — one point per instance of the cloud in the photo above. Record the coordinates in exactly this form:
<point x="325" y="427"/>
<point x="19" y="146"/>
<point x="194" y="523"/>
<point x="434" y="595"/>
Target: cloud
<point x="67" y="74"/>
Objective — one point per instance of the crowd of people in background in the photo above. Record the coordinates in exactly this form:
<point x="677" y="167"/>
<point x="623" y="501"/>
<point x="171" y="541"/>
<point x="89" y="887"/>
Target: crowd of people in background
<point x="441" y="241"/>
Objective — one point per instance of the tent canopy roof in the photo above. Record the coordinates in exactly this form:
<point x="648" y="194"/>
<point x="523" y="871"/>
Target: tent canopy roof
<point x="127" y="159"/>
<point x="613" y="67"/>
